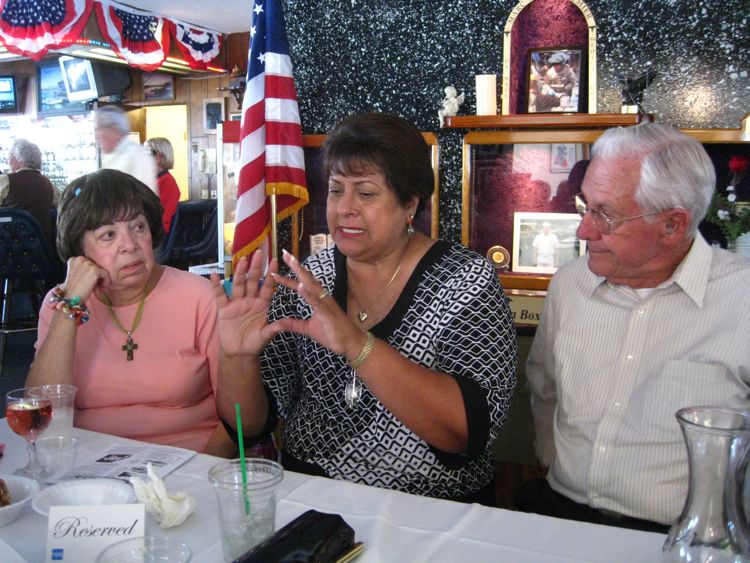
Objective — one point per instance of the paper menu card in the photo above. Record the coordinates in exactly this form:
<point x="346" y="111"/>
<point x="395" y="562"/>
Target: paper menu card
<point x="122" y="461"/>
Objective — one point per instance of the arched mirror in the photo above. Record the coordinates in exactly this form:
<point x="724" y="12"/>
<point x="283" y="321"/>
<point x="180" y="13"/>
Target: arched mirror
<point x="535" y="32"/>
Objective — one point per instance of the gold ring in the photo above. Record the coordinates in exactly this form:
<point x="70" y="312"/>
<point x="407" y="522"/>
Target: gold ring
<point x="324" y="294"/>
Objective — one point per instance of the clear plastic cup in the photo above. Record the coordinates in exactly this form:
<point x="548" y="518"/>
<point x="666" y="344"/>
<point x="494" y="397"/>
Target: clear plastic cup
<point x="247" y="515"/>
<point x="56" y="456"/>
<point x="149" y="549"/>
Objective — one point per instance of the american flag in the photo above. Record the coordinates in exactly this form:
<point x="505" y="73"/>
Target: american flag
<point x="141" y="39"/>
<point x="31" y="27"/>
<point x="271" y="157"/>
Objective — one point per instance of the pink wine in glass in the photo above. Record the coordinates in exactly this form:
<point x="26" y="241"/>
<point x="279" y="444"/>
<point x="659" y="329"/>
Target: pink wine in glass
<point x="28" y="419"/>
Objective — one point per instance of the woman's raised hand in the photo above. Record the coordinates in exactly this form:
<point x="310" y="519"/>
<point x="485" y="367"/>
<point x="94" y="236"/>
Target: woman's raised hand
<point x="82" y="277"/>
<point x="243" y="319"/>
<point x="329" y="325"/>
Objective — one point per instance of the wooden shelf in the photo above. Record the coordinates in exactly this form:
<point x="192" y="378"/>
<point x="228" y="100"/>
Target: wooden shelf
<point x="542" y="121"/>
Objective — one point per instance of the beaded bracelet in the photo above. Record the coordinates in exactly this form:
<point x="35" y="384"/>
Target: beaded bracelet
<point x="72" y="308"/>
<point x="366" y="349"/>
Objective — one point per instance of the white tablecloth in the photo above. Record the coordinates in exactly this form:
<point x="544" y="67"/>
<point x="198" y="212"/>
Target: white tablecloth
<point x="393" y="526"/>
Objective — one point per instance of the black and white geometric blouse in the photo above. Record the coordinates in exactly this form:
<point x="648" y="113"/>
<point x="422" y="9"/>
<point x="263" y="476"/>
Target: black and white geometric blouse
<point x="452" y="317"/>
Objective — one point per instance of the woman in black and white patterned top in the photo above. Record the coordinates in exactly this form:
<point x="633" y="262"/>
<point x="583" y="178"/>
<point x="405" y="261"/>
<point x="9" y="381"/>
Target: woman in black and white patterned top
<point x="391" y="357"/>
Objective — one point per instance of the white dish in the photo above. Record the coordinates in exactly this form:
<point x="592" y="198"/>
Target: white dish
<point x="83" y="491"/>
<point x="21" y="490"/>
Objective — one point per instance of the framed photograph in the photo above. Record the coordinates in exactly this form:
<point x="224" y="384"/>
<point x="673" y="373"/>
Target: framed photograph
<point x="213" y="114"/>
<point x="554" y="79"/>
<point x="562" y="157"/>
<point x="158" y="86"/>
<point x="542" y="242"/>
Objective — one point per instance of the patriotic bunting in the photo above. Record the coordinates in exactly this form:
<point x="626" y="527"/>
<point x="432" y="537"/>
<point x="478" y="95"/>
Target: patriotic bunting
<point x="32" y="27"/>
<point x="199" y="47"/>
<point x="140" y="38"/>
<point x="271" y="157"/>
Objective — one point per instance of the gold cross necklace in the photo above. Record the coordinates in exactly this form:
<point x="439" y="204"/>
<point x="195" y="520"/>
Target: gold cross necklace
<point x="130" y="346"/>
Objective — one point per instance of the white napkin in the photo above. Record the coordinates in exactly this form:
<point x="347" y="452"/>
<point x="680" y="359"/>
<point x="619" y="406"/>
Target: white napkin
<point x="169" y="510"/>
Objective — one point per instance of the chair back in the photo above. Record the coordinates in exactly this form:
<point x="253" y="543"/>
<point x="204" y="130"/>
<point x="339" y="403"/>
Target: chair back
<point x="195" y="234"/>
<point x="164" y="250"/>
<point x="25" y="253"/>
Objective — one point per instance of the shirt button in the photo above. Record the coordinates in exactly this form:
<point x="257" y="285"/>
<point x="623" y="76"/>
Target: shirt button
<point x="602" y="449"/>
<point x="617" y="405"/>
<point x="641" y="311"/>
<point x="629" y="357"/>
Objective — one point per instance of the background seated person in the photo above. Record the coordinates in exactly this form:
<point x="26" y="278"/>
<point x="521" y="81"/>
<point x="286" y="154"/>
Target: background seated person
<point x="26" y="187"/>
<point x="422" y="326"/>
<point x="653" y="319"/>
<point x="145" y="362"/>
<point x="169" y="192"/>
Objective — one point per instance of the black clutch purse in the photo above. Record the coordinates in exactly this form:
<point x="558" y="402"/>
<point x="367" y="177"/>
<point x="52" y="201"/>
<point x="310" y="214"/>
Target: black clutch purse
<point x="313" y="537"/>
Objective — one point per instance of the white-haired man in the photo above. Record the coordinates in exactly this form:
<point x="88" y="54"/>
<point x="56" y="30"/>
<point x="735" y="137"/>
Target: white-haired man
<point x="118" y="151"/>
<point x="26" y="187"/>
<point x="653" y="319"/>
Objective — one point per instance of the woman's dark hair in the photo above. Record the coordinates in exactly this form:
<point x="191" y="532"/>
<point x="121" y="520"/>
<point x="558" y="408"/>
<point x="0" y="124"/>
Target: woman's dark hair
<point x="101" y="198"/>
<point x="392" y="144"/>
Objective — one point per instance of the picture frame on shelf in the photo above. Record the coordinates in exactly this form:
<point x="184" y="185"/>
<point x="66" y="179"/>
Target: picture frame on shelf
<point x="562" y="157"/>
<point x="158" y="86"/>
<point x="554" y="78"/>
<point x="542" y="242"/>
<point x="213" y="114"/>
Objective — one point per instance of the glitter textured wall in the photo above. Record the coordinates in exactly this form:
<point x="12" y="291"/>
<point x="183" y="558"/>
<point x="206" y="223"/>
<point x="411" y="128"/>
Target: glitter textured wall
<point x="397" y="56"/>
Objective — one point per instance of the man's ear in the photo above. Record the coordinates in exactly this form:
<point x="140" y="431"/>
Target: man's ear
<point x="676" y="222"/>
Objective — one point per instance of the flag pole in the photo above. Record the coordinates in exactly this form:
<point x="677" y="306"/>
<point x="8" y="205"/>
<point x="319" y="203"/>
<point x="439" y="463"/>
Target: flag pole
<point x="274" y="230"/>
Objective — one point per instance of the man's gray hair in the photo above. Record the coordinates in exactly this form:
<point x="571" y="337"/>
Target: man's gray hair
<point x="112" y="116"/>
<point x="676" y="171"/>
<point x="27" y="153"/>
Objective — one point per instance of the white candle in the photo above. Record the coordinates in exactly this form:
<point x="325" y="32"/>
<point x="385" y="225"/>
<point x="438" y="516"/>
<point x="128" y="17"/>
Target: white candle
<point x="486" y="94"/>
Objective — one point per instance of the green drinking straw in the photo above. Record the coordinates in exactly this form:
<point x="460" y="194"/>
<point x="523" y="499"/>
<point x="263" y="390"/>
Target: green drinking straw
<point x="241" y="442"/>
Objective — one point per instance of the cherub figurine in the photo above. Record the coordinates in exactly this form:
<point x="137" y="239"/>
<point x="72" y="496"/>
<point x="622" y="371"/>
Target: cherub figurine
<point x="450" y="104"/>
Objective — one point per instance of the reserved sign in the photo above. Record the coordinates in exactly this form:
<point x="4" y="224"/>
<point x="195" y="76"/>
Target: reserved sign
<point x="80" y="533"/>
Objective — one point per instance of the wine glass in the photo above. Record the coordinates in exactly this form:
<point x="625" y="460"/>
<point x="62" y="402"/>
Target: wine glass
<point x="28" y="416"/>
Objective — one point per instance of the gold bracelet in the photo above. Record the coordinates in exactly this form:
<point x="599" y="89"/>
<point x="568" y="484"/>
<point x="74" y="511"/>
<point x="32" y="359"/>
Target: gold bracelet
<point x="366" y="349"/>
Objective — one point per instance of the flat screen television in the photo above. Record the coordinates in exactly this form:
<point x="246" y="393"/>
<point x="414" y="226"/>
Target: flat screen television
<point x="87" y="80"/>
<point x="8" y="95"/>
<point x="51" y="95"/>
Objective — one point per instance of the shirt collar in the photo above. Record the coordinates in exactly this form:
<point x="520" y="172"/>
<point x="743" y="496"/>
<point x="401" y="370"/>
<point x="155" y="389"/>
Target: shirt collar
<point x="691" y="275"/>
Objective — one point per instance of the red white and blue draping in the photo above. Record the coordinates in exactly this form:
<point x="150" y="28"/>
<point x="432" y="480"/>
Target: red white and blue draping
<point x="140" y="38"/>
<point x="32" y="27"/>
<point x="198" y="46"/>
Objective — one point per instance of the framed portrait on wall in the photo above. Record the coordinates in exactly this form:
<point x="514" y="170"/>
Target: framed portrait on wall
<point x="562" y="157"/>
<point x="554" y="79"/>
<point x="542" y="242"/>
<point x="213" y="114"/>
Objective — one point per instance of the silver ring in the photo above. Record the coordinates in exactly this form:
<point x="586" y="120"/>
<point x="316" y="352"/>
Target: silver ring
<point x="324" y="294"/>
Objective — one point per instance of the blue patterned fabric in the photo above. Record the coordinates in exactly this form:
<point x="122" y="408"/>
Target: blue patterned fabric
<point x="452" y="317"/>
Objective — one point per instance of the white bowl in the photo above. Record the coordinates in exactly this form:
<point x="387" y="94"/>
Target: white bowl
<point x="21" y="490"/>
<point x="83" y="491"/>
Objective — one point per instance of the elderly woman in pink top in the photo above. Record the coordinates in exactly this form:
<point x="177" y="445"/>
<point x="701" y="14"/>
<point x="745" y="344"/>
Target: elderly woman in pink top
<point x="138" y="339"/>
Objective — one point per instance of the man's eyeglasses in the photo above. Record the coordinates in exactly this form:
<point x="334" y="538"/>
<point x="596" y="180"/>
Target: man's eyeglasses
<point x="601" y="221"/>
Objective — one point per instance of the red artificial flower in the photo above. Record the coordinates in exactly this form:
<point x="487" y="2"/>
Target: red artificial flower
<point x="738" y="164"/>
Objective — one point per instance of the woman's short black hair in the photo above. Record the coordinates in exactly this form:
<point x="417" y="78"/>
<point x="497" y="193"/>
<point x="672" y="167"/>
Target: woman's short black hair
<point x="101" y="198"/>
<point x="390" y="143"/>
